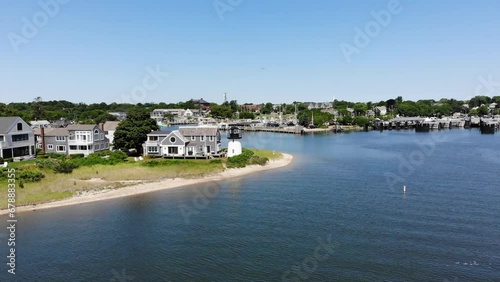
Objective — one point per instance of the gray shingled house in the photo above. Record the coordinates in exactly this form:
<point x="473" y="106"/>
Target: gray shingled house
<point x="74" y="139"/>
<point x="187" y="141"/>
<point x="16" y="139"/>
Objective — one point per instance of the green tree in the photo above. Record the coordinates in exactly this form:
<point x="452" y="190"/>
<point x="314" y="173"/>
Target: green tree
<point x="267" y="109"/>
<point x="483" y="110"/>
<point x="132" y="132"/>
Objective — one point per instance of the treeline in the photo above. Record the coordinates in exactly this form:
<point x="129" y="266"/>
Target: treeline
<point x="345" y="112"/>
<point x="80" y="112"/>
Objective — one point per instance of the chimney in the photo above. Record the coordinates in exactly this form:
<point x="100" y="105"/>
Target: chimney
<point x="102" y="126"/>
<point x="42" y="134"/>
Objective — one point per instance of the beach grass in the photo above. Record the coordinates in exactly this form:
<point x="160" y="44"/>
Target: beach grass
<point x="54" y="186"/>
<point x="270" y="154"/>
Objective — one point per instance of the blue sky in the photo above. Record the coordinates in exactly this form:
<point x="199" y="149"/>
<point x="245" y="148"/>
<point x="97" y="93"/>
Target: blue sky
<point x="258" y="51"/>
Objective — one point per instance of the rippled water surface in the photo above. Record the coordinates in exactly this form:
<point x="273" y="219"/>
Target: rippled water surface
<point x="337" y="213"/>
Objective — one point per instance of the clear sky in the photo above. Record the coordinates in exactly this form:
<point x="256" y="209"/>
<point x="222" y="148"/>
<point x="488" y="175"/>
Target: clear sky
<point x="255" y="50"/>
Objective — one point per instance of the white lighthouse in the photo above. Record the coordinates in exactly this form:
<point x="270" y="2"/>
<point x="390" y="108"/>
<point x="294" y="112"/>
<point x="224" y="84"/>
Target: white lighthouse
<point x="234" y="147"/>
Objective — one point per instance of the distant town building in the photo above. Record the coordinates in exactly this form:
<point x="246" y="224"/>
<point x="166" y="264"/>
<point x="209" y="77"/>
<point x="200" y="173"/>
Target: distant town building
<point x="201" y="104"/>
<point x="119" y="115"/>
<point x="159" y="114"/>
<point x="252" y="107"/>
<point x="39" y="123"/>
<point x="381" y="110"/>
<point x="16" y="139"/>
<point x="320" y="105"/>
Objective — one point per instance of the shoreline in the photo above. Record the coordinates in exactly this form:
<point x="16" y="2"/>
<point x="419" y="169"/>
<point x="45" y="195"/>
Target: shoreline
<point x="94" y="196"/>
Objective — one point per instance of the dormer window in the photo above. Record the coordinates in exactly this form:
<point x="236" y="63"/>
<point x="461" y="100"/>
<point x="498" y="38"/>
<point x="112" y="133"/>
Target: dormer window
<point x="19" y="127"/>
<point x="96" y="131"/>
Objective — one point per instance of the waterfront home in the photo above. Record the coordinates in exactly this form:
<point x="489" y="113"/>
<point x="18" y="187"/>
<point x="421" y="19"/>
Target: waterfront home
<point x="16" y="139"/>
<point x="74" y="139"/>
<point x="109" y="128"/>
<point x="186" y="141"/>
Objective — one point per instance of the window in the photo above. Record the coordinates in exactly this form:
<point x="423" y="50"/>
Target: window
<point x="152" y="149"/>
<point x="61" y="148"/>
<point x="50" y="147"/>
<point x="101" y="136"/>
<point x="60" y="138"/>
<point x="73" y="147"/>
<point x="193" y="138"/>
<point x="19" y="127"/>
<point x="211" y="138"/>
<point x="153" y="138"/>
<point x="20" y="137"/>
<point x="172" y="139"/>
<point x="39" y="146"/>
<point x="90" y="147"/>
<point x="97" y="147"/>
<point x="202" y="138"/>
<point x="82" y="148"/>
<point x="2" y="138"/>
<point x="96" y="131"/>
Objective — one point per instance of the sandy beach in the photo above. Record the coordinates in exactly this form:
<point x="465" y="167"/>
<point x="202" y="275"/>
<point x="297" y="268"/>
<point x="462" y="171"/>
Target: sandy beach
<point x="142" y="188"/>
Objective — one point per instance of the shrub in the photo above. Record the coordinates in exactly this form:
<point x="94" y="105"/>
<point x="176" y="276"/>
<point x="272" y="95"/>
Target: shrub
<point x="65" y="167"/>
<point x="30" y="175"/>
<point x="76" y="156"/>
<point x="241" y="160"/>
<point x="45" y="163"/>
<point x="56" y="155"/>
<point x="258" y="160"/>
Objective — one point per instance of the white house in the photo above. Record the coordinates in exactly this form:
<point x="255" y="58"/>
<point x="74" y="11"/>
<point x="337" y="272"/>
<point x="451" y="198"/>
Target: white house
<point x="16" y="139"/>
<point x="109" y="128"/>
<point x="381" y="110"/>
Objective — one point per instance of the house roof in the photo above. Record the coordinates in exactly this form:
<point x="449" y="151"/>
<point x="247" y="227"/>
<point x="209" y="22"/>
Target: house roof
<point x="57" y="132"/>
<point x="82" y="127"/>
<point x="199" y="101"/>
<point x="6" y="123"/>
<point x="160" y="132"/>
<point x="110" y="125"/>
<point x="198" y="131"/>
<point x="52" y="131"/>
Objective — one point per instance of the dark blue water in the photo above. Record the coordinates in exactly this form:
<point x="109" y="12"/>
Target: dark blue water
<point x="337" y="213"/>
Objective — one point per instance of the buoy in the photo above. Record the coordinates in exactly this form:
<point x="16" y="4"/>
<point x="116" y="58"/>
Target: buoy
<point x="404" y="189"/>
